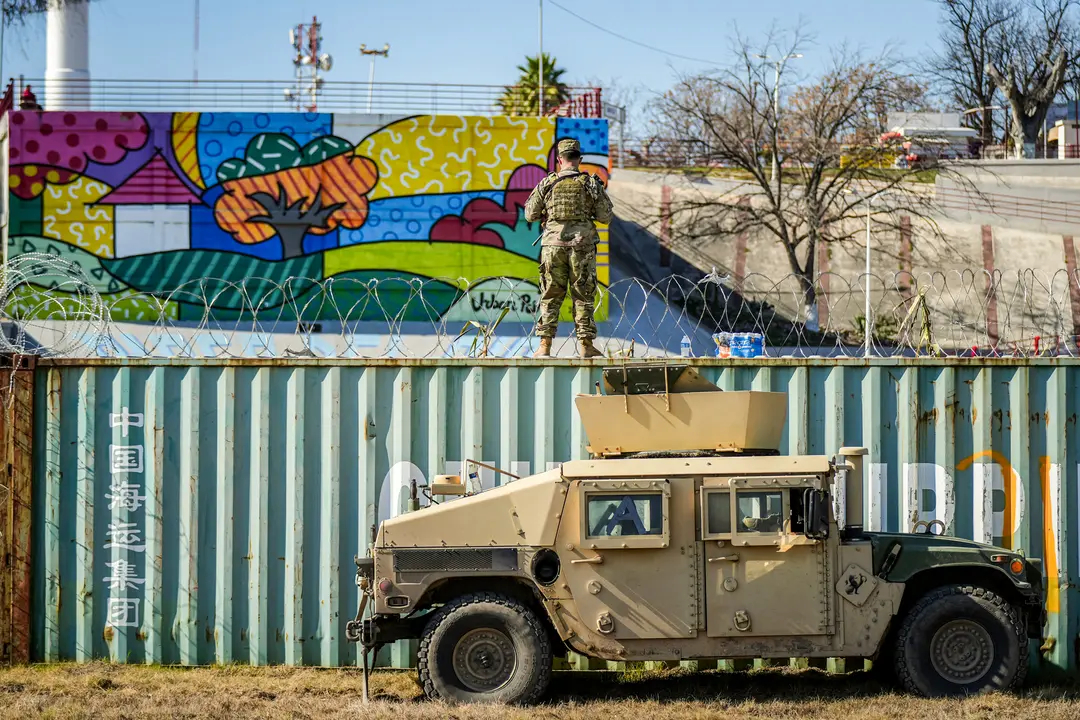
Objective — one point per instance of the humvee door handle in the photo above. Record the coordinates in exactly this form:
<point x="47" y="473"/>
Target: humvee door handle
<point x="597" y="560"/>
<point x="725" y="558"/>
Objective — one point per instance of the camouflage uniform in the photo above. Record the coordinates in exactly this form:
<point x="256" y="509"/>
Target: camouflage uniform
<point x="568" y="203"/>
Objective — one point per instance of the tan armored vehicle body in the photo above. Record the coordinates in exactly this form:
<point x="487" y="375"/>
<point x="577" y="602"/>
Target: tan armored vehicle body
<point x="688" y="537"/>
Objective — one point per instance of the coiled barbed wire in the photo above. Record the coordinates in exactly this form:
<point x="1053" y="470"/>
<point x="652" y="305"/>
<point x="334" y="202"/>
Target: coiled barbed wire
<point x="50" y="307"/>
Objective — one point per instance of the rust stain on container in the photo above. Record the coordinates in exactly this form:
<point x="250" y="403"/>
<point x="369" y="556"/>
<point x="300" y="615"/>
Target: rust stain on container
<point x="16" y="448"/>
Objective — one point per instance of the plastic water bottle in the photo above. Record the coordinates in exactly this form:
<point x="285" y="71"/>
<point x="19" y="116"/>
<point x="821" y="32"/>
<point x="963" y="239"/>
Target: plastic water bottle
<point x="684" y="347"/>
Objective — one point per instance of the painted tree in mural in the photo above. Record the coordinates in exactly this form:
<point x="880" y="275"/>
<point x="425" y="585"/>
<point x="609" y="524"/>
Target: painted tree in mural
<point x="282" y="189"/>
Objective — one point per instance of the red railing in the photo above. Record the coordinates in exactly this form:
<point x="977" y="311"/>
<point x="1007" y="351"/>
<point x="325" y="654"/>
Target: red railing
<point x="8" y="101"/>
<point x="999" y="152"/>
<point x="586" y="104"/>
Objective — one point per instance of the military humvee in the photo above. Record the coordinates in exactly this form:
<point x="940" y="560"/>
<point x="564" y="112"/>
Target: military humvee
<point x="688" y="536"/>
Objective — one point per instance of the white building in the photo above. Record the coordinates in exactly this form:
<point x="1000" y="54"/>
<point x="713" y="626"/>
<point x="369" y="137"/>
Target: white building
<point x="931" y="135"/>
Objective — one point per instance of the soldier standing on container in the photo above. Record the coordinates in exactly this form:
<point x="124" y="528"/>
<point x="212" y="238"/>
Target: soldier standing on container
<point x="568" y="203"/>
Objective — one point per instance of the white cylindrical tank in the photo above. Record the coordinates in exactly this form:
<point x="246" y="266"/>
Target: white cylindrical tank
<point x="67" y="52"/>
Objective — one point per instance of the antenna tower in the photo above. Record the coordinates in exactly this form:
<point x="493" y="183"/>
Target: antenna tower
<point x="306" y="41"/>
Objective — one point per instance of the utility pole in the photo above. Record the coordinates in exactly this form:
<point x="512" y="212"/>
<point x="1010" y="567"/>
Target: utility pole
<point x="540" y="62"/>
<point x="385" y="52"/>
<point x="779" y="64"/>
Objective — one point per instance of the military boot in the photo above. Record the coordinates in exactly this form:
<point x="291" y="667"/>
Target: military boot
<point x="587" y="350"/>
<point x="545" y="348"/>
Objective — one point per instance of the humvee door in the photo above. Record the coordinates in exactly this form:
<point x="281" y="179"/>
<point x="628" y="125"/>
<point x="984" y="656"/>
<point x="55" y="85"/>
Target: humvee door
<point x="763" y="576"/>
<point x="632" y="568"/>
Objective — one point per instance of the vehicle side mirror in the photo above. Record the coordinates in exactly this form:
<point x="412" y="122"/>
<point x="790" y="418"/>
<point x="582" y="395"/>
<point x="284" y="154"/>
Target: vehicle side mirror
<point x="816" y="507"/>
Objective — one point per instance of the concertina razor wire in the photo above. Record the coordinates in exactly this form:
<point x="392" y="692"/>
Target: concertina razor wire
<point x="50" y="307"/>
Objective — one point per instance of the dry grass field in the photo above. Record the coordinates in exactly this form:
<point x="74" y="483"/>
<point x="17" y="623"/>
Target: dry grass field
<point x="103" y="691"/>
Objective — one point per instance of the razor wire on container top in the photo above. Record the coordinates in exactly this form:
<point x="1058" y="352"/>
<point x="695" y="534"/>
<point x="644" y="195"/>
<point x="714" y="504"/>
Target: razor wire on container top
<point x="49" y="307"/>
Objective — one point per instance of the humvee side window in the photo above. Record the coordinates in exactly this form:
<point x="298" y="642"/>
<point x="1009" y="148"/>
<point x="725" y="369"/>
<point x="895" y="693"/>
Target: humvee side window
<point x="797" y="511"/>
<point x="718" y="513"/>
<point x="759" y="512"/>
<point x="624" y="514"/>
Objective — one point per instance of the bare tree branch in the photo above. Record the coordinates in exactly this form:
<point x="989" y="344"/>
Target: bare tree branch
<point x="828" y="136"/>
<point x="17" y="11"/>
<point x="974" y="33"/>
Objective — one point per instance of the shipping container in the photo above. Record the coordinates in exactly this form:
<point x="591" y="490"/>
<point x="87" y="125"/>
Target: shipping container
<point x="196" y="512"/>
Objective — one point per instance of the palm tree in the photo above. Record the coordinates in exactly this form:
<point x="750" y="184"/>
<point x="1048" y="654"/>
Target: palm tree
<point x="524" y="97"/>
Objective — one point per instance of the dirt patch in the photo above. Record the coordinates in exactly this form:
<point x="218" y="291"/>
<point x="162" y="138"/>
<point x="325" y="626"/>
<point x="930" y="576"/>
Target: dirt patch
<point x="110" y="691"/>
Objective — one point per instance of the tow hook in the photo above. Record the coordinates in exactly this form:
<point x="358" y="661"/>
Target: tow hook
<point x="1048" y="645"/>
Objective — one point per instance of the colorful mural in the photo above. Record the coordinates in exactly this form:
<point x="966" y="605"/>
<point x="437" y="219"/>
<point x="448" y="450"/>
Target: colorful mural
<point x="280" y="215"/>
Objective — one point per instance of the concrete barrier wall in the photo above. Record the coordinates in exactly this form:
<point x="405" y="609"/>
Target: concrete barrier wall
<point x="1037" y="290"/>
<point x="208" y="512"/>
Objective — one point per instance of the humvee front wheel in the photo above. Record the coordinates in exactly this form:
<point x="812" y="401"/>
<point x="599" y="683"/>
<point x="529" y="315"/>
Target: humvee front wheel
<point x="485" y="648"/>
<point x="961" y="640"/>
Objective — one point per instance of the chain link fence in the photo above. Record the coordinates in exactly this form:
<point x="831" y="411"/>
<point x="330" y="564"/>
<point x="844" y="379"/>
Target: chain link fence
<point x="50" y="307"/>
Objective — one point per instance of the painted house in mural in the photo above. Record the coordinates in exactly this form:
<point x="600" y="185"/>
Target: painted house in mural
<point x="286" y="216"/>
<point x="151" y="211"/>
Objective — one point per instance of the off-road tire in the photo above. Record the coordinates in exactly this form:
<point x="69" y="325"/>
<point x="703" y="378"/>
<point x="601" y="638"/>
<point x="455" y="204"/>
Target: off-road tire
<point x="526" y="633"/>
<point x="1002" y="632"/>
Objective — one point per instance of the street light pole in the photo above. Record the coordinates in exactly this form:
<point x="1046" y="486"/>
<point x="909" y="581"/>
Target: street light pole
<point x="867" y="351"/>
<point x="371" y="85"/>
<point x="540" y="61"/>
<point x="779" y="65"/>
<point x="385" y="52"/>
<point x="776" y="119"/>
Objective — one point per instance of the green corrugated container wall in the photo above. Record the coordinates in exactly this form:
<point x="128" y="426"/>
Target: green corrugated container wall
<point x="196" y="512"/>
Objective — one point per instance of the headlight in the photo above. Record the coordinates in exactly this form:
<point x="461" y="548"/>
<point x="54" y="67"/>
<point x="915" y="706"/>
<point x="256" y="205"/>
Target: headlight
<point x="1012" y="562"/>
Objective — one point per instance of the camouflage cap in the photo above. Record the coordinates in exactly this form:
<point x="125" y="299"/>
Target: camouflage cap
<point x="569" y="146"/>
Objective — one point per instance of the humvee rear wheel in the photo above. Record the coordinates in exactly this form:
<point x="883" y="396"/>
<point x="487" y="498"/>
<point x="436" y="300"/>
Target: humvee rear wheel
<point x="485" y="648"/>
<point x="961" y="640"/>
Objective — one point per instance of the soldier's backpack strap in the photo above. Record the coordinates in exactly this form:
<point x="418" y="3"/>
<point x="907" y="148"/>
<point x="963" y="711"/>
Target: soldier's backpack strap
<point x="545" y="195"/>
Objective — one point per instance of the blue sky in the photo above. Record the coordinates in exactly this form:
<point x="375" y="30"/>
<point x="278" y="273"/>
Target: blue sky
<point x="469" y="41"/>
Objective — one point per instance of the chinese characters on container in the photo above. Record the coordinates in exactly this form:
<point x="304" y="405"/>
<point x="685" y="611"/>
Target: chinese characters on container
<point x="124" y="538"/>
